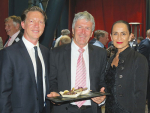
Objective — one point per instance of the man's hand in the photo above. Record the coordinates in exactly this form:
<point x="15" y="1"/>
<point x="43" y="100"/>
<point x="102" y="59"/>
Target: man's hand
<point x="100" y="99"/>
<point x="53" y="94"/>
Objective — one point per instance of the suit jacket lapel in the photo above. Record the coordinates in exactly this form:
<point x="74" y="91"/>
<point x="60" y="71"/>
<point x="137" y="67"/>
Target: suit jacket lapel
<point x="91" y="63"/>
<point x="27" y="59"/>
<point x="67" y="59"/>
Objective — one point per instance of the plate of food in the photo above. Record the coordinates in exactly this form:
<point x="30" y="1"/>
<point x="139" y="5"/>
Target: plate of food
<point x="75" y="95"/>
<point x="71" y="93"/>
<point x="82" y="90"/>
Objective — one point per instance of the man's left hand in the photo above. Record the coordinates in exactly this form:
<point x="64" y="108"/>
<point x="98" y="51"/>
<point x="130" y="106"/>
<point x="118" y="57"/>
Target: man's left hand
<point x="100" y="99"/>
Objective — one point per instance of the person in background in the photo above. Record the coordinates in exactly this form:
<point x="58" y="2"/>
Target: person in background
<point x="13" y="27"/>
<point x="63" y="32"/>
<point x="94" y="39"/>
<point x="1" y="43"/>
<point x="132" y="42"/>
<point x="24" y="81"/>
<point x="64" y="40"/>
<point x="101" y="38"/>
<point x="144" y="49"/>
<point x="139" y="39"/>
<point x="126" y="74"/>
<point x="110" y="44"/>
<point x="78" y="64"/>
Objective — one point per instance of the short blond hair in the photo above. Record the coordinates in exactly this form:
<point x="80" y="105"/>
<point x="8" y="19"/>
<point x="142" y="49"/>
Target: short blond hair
<point x="65" y="40"/>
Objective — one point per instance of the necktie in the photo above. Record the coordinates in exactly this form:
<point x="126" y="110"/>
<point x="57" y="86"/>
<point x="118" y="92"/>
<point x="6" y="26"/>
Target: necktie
<point x="8" y="42"/>
<point x="39" y="80"/>
<point x="80" y="74"/>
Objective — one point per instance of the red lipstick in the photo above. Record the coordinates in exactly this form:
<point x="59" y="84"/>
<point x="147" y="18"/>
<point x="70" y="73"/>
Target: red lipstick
<point x="119" y="42"/>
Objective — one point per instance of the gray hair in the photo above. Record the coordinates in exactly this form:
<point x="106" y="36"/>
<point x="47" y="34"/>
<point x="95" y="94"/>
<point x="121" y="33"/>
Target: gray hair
<point x="16" y="20"/>
<point x="65" y="32"/>
<point x="84" y="15"/>
<point x="99" y="33"/>
<point x="148" y="32"/>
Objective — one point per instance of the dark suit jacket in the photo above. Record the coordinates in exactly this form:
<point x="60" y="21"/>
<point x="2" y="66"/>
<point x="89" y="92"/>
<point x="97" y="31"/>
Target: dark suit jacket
<point x="60" y="72"/>
<point x="16" y="39"/>
<point x="92" y="41"/>
<point x="144" y="48"/>
<point x="130" y="81"/>
<point x="18" y="89"/>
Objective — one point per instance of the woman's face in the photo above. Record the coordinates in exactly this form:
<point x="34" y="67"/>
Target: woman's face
<point x="120" y="36"/>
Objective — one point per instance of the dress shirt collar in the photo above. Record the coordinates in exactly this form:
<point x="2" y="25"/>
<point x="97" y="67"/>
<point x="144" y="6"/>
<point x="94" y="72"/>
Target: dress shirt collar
<point x="15" y="35"/>
<point x="77" y="48"/>
<point x="100" y="43"/>
<point x="28" y="44"/>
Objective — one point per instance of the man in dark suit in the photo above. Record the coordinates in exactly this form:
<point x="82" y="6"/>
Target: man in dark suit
<point x="22" y="87"/>
<point x="65" y="71"/>
<point x="13" y="27"/>
<point x="133" y="43"/>
<point x="144" y="48"/>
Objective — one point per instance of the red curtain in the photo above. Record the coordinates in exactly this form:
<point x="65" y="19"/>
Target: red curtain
<point x="106" y="12"/>
<point x="3" y="15"/>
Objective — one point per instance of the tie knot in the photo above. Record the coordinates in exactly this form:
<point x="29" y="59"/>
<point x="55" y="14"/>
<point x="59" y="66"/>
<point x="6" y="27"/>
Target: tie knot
<point x="35" y="48"/>
<point x="81" y="50"/>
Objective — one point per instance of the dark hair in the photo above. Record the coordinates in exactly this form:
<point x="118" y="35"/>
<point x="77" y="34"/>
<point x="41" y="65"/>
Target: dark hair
<point x="140" y="38"/>
<point x="34" y="8"/>
<point x="124" y="22"/>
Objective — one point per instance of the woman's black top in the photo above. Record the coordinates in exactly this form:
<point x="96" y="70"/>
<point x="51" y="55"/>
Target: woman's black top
<point x="112" y="106"/>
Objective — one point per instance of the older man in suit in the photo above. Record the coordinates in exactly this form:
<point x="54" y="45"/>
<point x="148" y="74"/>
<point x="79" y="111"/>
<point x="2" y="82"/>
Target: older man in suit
<point x="75" y="60"/>
<point x="13" y="27"/>
<point x="24" y="71"/>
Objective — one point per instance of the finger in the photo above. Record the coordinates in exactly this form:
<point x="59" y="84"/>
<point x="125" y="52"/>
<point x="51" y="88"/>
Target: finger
<point x="49" y="95"/>
<point x="102" y="89"/>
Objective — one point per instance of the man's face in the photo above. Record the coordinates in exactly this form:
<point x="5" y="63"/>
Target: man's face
<point x="105" y="39"/>
<point x="82" y="32"/>
<point x="11" y="28"/>
<point x="132" y="37"/>
<point x="138" y="41"/>
<point x="33" y="26"/>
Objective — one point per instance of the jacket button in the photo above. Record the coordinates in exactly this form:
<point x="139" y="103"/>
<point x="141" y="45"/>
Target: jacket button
<point x="122" y="61"/>
<point x="119" y="85"/>
<point x="122" y="68"/>
<point x="120" y="76"/>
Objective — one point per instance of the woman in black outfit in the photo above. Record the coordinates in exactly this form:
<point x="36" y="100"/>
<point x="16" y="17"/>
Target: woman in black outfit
<point x="126" y="74"/>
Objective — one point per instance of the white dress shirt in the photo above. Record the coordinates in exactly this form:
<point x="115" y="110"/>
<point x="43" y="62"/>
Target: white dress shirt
<point x="31" y="51"/>
<point x="74" y="58"/>
<point x="13" y="37"/>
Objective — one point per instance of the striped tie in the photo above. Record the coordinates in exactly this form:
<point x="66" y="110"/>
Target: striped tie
<point x="80" y="74"/>
<point x="8" y="42"/>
